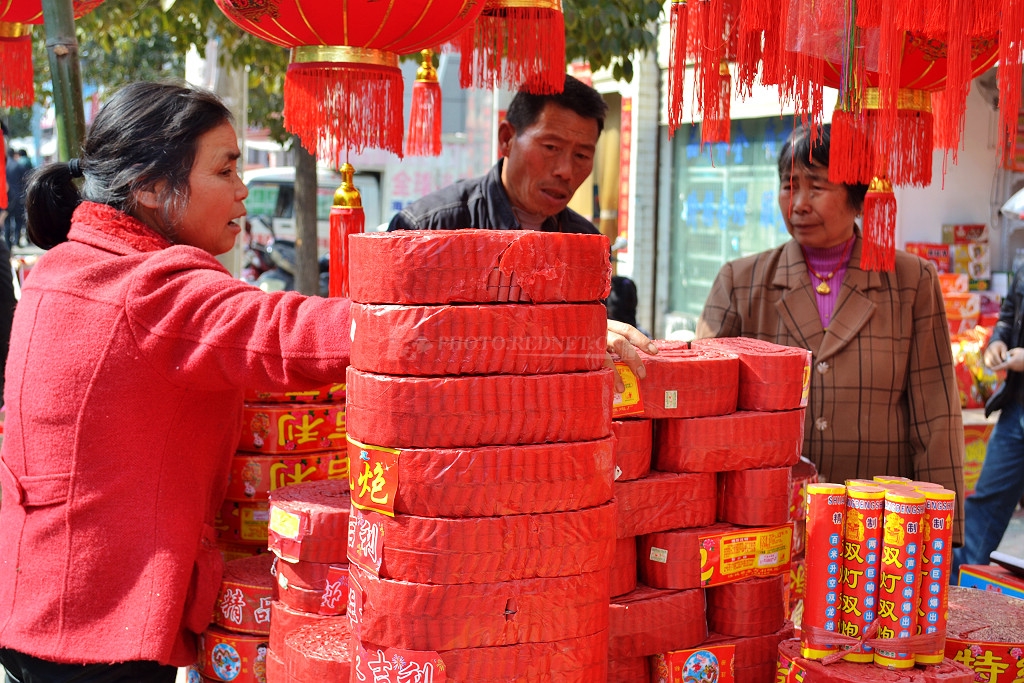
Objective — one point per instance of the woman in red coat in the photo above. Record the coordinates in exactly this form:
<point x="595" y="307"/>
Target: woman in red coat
<point x="130" y="351"/>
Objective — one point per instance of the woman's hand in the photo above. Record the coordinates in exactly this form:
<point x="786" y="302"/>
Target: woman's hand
<point x="623" y="340"/>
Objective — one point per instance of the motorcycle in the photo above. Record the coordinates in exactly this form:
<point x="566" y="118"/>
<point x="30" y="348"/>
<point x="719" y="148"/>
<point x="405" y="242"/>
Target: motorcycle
<point x="269" y="263"/>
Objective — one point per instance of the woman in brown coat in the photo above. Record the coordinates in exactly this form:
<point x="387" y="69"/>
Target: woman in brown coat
<point x="883" y="398"/>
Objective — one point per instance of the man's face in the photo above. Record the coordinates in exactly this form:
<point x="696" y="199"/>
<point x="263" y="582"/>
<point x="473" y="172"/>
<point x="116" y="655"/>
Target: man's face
<point x="545" y="163"/>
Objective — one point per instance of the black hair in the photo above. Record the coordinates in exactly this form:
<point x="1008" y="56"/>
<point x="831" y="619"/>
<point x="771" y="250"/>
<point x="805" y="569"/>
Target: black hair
<point x="799" y="150"/>
<point x="576" y="96"/>
<point x="147" y="132"/>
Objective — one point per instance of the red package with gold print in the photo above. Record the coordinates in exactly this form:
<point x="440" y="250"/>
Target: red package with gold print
<point x="292" y="427"/>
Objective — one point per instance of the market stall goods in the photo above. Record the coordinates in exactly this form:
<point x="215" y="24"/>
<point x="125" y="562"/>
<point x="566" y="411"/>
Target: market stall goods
<point x="285" y="619"/>
<point x="292" y="427"/>
<point x="242" y="522"/>
<point x="862" y="556"/>
<point x="772" y="376"/>
<point x="330" y="393"/>
<point x="623" y="574"/>
<point x="318" y="587"/>
<point x="665" y="500"/>
<point x="246" y="591"/>
<point x="985" y="632"/>
<point x="793" y="668"/>
<point x="309" y="521"/>
<point x="634" y="441"/>
<point x="471" y="339"/>
<point x="752" y="607"/>
<point x="755" y="497"/>
<point x="629" y="670"/>
<point x="319" y="652"/>
<point x="688" y="383"/>
<point x="229" y="656"/>
<point x="445" y="412"/>
<point x="650" y="620"/>
<point x="753" y="651"/>
<point x="254" y="476"/>
<point x="478" y="266"/>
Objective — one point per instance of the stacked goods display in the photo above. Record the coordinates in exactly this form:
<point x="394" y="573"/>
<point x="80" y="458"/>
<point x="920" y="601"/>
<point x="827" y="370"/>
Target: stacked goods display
<point x="479" y="417"/>
<point x="986" y="634"/>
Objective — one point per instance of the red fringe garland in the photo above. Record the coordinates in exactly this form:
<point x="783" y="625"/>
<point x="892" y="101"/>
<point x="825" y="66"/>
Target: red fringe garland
<point x="424" y="137"/>
<point x="709" y="82"/>
<point x="879" y="253"/>
<point x="749" y="55"/>
<point x="335" y="108"/>
<point x="344" y="222"/>
<point x="676" y="65"/>
<point x="905" y="157"/>
<point x="716" y="123"/>
<point x="17" y="87"/>
<point x="777" y="60"/>
<point x="1011" y="56"/>
<point x="516" y="47"/>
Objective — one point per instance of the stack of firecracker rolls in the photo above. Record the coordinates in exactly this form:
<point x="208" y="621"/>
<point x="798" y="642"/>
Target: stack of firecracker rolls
<point x="479" y="415"/>
<point x="287" y="438"/>
<point x="706" y="443"/>
<point x="879" y="553"/>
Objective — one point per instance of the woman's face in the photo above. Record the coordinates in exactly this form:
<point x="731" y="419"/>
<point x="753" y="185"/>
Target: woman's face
<point x="216" y="193"/>
<point x="817" y="213"/>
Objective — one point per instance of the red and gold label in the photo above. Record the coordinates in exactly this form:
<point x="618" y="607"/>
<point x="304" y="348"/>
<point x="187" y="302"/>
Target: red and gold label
<point x="862" y="550"/>
<point x="734" y="556"/>
<point x="826" y="513"/>
<point x="373" y="477"/>
<point x="629" y="402"/>
<point x="899" y="584"/>
<point x="366" y="540"/>
<point x="254" y="477"/>
<point x="936" y="565"/>
<point x="292" y="427"/>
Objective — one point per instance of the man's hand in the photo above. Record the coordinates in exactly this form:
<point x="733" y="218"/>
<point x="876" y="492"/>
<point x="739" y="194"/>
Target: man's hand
<point x="1010" y="360"/>
<point x="995" y="354"/>
<point x="623" y="340"/>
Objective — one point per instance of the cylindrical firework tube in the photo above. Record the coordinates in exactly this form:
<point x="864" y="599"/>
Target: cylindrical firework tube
<point x="862" y="550"/>
<point x="901" y="563"/>
<point x="826" y="508"/>
<point x="936" y="564"/>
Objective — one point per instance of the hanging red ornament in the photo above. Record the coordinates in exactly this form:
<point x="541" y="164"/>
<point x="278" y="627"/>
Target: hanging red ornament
<point x="879" y="252"/>
<point x="424" y="137"/>
<point x="676" y="65"/>
<point x="347" y="218"/>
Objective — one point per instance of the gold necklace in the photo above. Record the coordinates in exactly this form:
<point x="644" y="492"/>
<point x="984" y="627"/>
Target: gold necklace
<point x="823" y="287"/>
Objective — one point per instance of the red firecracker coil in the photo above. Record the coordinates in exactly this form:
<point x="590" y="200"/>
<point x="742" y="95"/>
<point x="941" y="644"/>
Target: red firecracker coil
<point x="284" y="620"/>
<point x="772" y="376"/>
<point x="478" y="266"/>
<point x="753" y="651"/>
<point x="633" y="447"/>
<point x="648" y="621"/>
<point x="322" y="651"/>
<point x="574" y="660"/>
<point x="624" y="572"/>
<point x="488" y="339"/>
<point x="332" y="393"/>
<point x="758" y="497"/>
<point x="665" y="500"/>
<point x="792" y="668"/>
<point x="246" y="591"/>
<point x="985" y="631"/>
<point x="276" y="670"/>
<point x="456" y="550"/>
<point x="292" y="427"/>
<point x="313" y="586"/>
<point x="685" y="383"/>
<point x="629" y="670"/>
<point x="501" y="480"/>
<point x="804" y="472"/>
<point x="741" y="441"/>
<point x="309" y="522"/>
<point x="243" y="522"/>
<point x="752" y="607"/>
<point x="254" y="477"/>
<point x="228" y="656"/>
<point x="419" y="616"/>
<point x="444" y="412"/>
<point x="238" y="551"/>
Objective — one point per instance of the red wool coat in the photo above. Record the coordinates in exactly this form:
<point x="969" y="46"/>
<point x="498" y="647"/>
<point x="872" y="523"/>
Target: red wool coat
<point x="128" y="361"/>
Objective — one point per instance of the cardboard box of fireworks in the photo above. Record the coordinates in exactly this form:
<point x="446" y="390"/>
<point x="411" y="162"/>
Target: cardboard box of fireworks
<point x="990" y="577"/>
<point x="977" y="430"/>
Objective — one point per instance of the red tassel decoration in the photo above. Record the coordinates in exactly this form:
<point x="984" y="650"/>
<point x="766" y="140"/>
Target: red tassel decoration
<point x="347" y="218"/>
<point x="879" y="253"/>
<point x="676" y="65"/>
<point x="424" y="137"/>
<point x="17" y="84"/>
<point x="709" y="56"/>
<point x="338" y="99"/>
<point x="517" y="44"/>
<point x="1011" y="56"/>
<point x="716" y="124"/>
<point x="851" y="153"/>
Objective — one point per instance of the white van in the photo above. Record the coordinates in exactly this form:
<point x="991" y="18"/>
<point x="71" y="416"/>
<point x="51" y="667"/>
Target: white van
<point x="271" y="202"/>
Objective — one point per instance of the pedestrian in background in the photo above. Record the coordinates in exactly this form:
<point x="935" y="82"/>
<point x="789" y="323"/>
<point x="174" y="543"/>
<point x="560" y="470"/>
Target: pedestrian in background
<point x="18" y="168"/>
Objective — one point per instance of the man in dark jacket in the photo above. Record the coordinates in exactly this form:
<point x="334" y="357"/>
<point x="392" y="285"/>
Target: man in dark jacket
<point x="18" y="167"/>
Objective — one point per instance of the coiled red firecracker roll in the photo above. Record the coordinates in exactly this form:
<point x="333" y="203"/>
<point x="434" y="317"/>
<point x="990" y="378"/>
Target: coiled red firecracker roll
<point x="418" y="616"/>
<point x="254" y="476"/>
<point x="629" y="670"/>
<point x="486" y="339"/>
<point x="284" y="620"/>
<point x="246" y="591"/>
<point x="649" y="620"/>
<point x="772" y="376"/>
<point x="309" y="522"/>
<point x="754" y="651"/>
<point x="623" y="572"/>
<point x="445" y="412"/>
<point x="757" y="497"/>
<point x="478" y="266"/>
<point x="317" y="587"/>
<point x="793" y="667"/>
<point x="501" y="480"/>
<point x="276" y="669"/>
<point x="688" y="383"/>
<point x="664" y="500"/>
<point x="322" y="651"/>
<point x="229" y="656"/>
<point x="292" y="427"/>
<point x="633" y="446"/>
<point x="331" y="393"/>
<point x="741" y="441"/>
<point x="752" y="607"/>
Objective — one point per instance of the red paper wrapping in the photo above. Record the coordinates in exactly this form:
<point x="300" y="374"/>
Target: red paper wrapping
<point x="752" y="607"/>
<point x="649" y="620"/>
<point x="478" y="266"/>
<point x="309" y="522"/>
<point x="419" y="616"/>
<point x="686" y="383"/>
<point x="629" y="670"/>
<point x="501" y="480"/>
<point x="452" y="550"/>
<point x="228" y="656"/>
<point x="321" y="651"/>
<point x="985" y="632"/>
<point x="624" y="571"/>
<point x="445" y="412"/>
<point x="292" y="427"/>
<point x="793" y="668"/>
<point x="237" y="551"/>
<point x="284" y="620"/>
<point x="633" y="448"/>
<point x="331" y="393"/>
<point x="741" y="441"/>
<point x="862" y="554"/>
<point x="772" y="376"/>
<point x="664" y="500"/>
<point x="243" y="522"/>
<point x="936" y="565"/>
<point x="254" y="476"/>
<point x="276" y="669"/>
<point x="488" y="339"/>
<point x="246" y="591"/>
<point x="754" y="651"/>
<point x="574" y="660"/>
<point x="803" y="473"/>
<point x="313" y="586"/>
<point x="826" y="509"/>
<point x="758" y="497"/>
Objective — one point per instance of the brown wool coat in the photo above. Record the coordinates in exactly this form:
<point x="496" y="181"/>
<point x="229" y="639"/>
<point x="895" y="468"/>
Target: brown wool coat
<point x="883" y="397"/>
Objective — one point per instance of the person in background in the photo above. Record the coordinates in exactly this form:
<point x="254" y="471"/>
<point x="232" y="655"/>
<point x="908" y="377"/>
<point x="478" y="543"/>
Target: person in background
<point x="130" y="352"/>
<point x="883" y="398"/>
<point x="18" y="168"/>
<point x="1001" y="483"/>
<point x="547" y="144"/>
